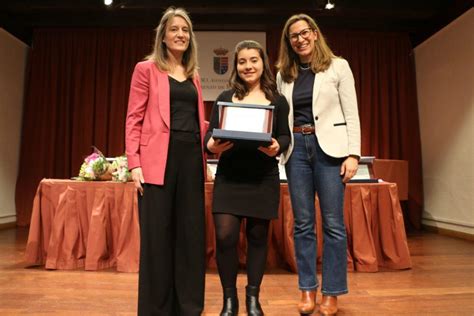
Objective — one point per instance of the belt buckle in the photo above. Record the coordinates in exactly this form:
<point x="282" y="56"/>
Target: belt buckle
<point x="306" y="129"/>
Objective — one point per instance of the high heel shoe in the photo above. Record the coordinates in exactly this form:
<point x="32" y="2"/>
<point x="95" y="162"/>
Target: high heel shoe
<point x="307" y="303"/>
<point x="328" y="305"/>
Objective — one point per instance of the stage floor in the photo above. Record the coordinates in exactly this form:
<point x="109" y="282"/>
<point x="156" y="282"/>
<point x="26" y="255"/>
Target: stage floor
<point x="440" y="282"/>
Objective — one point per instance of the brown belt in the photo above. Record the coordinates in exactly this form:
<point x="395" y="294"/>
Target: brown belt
<point x="304" y="129"/>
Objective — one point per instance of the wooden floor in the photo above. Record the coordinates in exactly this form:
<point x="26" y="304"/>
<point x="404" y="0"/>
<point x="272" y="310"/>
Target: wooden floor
<point x="440" y="283"/>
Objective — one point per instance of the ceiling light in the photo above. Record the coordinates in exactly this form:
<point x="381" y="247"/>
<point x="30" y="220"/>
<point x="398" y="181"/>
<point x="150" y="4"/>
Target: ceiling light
<point x="329" y="5"/>
<point x="108" y="2"/>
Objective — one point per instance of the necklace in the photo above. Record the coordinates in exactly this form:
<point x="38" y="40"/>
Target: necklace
<point x="304" y="66"/>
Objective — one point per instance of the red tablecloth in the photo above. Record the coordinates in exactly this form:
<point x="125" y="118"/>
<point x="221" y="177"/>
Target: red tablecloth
<point x="95" y="225"/>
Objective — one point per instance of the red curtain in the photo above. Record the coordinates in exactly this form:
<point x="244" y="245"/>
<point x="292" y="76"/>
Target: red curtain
<point x="76" y="96"/>
<point x="385" y="81"/>
<point x="78" y="84"/>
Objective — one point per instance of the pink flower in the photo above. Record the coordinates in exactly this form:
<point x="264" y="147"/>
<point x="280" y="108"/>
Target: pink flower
<point x="92" y="157"/>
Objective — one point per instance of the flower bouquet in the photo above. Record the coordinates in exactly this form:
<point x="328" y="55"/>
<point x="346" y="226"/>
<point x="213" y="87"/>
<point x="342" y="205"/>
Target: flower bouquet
<point x="120" y="169"/>
<point x="97" y="167"/>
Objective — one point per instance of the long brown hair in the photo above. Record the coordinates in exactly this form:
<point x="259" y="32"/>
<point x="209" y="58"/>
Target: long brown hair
<point x="267" y="83"/>
<point x="159" y="55"/>
<point x="288" y="60"/>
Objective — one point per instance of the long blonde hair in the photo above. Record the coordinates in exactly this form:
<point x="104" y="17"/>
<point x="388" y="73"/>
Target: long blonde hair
<point x="288" y="60"/>
<point x="160" y="54"/>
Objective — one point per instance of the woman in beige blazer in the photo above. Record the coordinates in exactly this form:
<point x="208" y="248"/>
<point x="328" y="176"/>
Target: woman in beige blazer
<point x="322" y="156"/>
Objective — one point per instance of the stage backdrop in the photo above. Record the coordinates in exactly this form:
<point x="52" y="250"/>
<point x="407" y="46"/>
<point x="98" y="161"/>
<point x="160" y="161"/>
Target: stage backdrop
<point x="78" y="84"/>
<point x="216" y="57"/>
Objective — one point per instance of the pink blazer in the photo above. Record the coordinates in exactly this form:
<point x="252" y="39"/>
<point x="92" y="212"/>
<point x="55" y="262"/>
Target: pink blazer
<point x="147" y="127"/>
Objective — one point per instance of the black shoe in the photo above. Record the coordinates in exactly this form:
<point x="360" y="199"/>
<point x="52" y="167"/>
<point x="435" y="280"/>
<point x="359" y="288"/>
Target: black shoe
<point x="231" y="302"/>
<point x="251" y="301"/>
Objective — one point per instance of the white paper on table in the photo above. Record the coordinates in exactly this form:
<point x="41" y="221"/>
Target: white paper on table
<point x="362" y="173"/>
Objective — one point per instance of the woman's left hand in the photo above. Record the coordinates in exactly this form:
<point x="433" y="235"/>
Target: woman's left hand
<point x="349" y="168"/>
<point x="272" y="149"/>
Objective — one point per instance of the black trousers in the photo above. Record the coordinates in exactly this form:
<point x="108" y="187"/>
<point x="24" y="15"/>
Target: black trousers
<point x="172" y="232"/>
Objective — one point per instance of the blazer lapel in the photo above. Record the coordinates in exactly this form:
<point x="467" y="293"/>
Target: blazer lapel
<point x="164" y="96"/>
<point x="318" y="80"/>
<point x="289" y="92"/>
<point x="197" y="84"/>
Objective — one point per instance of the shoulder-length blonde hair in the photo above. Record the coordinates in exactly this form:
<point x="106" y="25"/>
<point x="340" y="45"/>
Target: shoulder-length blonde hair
<point x="267" y="82"/>
<point x="288" y="60"/>
<point x="159" y="55"/>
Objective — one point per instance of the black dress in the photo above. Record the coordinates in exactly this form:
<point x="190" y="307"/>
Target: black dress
<point x="247" y="181"/>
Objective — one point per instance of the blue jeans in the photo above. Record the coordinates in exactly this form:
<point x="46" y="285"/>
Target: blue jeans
<point x="310" y="170"/>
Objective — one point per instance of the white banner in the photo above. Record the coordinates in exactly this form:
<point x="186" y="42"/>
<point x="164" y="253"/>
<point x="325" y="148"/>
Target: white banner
<point x="216" y="57"/>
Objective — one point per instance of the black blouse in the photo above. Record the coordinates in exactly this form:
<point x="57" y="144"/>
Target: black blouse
<point x="183" y="103"/>
<point x="251" y="163"/>
<point x="303" y="97"/>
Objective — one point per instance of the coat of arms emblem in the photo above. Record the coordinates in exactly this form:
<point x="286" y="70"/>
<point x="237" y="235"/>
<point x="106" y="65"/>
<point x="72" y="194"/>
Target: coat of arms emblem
<point x="221" y="61"/>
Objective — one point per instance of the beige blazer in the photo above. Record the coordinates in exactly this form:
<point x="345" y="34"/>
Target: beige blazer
<point x="336" y="117"/>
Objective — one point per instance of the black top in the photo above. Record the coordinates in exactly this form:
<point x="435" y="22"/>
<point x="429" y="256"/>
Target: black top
<point x="183" y="103"/>
<point x="246" y="163"/>
<point x="303" y="96"/>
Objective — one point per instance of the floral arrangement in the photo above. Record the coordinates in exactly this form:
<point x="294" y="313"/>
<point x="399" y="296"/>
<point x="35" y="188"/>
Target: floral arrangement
<point x="120" y="167"/>
<point x="97" y="167"/>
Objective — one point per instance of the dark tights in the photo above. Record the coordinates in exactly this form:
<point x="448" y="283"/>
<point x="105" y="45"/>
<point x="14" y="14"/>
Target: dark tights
<point x="227" y="237"/>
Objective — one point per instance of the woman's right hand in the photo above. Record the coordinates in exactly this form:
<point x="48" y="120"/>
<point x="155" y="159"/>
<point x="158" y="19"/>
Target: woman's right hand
<point x="216" y="146"/>
<point x="137" y="177"/>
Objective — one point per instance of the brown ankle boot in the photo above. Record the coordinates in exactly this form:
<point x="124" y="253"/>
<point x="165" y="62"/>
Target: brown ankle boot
<point x="307" y="303"/>
<point x="328" y="305"/>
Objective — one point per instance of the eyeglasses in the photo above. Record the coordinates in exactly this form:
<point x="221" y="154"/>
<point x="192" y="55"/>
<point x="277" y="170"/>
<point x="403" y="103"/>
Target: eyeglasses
<point x="303" y="33"/>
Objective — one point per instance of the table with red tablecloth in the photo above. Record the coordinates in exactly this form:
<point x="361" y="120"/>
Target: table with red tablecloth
<point x="94" y="225"/>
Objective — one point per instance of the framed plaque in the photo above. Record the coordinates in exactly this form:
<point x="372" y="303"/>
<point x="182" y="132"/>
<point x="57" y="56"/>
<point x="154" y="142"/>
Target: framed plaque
<point x="365" y="171"/>
<point x="248" y="124"/>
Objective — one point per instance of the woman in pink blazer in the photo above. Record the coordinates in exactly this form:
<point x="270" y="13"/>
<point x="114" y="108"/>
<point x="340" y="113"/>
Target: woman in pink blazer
<point x="164" y="135"/>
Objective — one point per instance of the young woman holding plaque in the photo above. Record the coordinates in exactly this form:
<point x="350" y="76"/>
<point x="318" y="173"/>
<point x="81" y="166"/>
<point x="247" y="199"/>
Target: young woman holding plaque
<point x="322" y="156"/>
<point x="247" y="181"/>
<point x="164" y="136"/>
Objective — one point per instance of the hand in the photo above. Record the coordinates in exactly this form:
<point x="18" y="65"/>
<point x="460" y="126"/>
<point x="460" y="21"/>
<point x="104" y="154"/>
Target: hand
<point x="216" y="146"/>
<point x="272" y="149"/>
<point x="349" y="168"/>
<point x="137" y="177"/>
